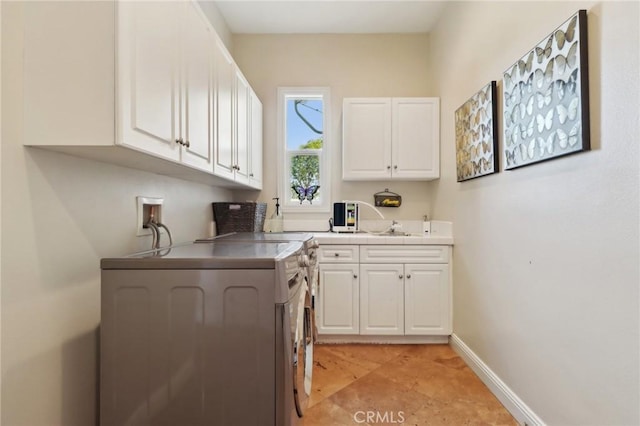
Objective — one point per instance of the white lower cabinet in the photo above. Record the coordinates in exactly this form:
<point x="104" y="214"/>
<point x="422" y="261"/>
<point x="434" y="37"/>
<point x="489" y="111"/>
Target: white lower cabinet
<point x="383" y="296"/>
<point x="338" y="300"/>
<point x="427" y="299"/>
<point x="381" y="299"/>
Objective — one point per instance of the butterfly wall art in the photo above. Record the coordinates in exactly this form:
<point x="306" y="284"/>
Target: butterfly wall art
<point x="305" y="193"/>
<point x="477" y="135"/>
<point x="546" y="98"/>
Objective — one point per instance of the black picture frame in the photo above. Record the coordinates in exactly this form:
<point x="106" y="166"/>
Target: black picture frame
<point x="476" y="126"/>
<point x="546" y="98"/>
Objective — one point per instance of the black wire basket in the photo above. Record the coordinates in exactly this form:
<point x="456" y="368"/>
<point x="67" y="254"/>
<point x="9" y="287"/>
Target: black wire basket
<point x="239" y="217"/>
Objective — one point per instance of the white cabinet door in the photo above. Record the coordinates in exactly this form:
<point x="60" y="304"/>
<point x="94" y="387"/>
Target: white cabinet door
<point x="255" y="153"/>
<point x="415" y="136"/>
<point x="427" y="299"/>
<point x="391" y="138"/>
<point x="148" y="89"/>
<point x="224" y="134"/>
<point x="381" y="299"/>
<point x="241" y="152"/>
<point x="197" y="93"/>
<point x="338" y="300"/>
<point x="366" y="139"/>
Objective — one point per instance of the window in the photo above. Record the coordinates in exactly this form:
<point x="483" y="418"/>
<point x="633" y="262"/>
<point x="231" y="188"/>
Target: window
<point x="303" y="145"/>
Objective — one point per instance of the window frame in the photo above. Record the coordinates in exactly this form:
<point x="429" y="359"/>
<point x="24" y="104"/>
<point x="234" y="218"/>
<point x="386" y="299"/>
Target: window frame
<point x="284" y="171"/>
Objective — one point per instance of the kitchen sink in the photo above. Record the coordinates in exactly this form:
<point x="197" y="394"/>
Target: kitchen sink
<point x="399" y="234"/>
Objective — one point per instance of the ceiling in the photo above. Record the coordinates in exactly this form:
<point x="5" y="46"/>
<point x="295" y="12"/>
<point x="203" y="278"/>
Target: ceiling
<point x="329" y="16"/>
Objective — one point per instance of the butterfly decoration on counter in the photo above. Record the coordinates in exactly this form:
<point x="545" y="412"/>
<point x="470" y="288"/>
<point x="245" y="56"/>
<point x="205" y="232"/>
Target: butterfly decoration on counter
<point x="307" y="193"/>
<point x="546" y="97"/>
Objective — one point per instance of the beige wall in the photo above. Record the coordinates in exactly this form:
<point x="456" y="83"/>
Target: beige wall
<point x="351" y="66"/>
<point x="546" y="256"/>
<point x="60" y="215"/>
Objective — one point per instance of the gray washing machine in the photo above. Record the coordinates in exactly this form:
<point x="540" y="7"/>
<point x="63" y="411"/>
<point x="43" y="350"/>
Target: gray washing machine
<point x="304" y="365"/>
<point x="203" y="334"/>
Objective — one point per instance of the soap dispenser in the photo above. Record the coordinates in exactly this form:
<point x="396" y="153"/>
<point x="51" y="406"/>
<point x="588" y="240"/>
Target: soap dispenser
<point x="426" y="226"/>
<point x="277" y="219"/>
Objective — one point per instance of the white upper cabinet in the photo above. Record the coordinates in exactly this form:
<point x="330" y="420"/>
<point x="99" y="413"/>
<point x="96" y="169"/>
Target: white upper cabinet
<point x="197" y="90"/>
<point x="235" y="135"/>
<point x="366" y="139"/>
<point x="391" y="138"/>
<point x="255" y="136"/>
<point x="225" y="88"/>
<point x="149" y="83"/>
<point x="165" y="81"/>
<point x="242" y="111"/>
<point x="415" y="140"/>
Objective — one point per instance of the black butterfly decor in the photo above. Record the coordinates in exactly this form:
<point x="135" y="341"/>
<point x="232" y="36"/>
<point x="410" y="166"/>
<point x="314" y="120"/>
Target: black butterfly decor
<point x="306" y="193"/>
<point x="546" y="97"/>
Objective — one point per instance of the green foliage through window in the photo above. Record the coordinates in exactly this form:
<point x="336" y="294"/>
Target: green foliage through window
<point x="305" y="161"/>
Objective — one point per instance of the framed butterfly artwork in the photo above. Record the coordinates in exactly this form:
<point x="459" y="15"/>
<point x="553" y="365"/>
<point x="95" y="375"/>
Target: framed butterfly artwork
<point x="477" y="134"/>
<point x="546" y="98"/>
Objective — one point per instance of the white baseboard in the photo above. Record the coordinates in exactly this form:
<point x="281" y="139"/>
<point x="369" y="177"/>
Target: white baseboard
<point x="505" y="395"/>
<point x="383" y="340"/>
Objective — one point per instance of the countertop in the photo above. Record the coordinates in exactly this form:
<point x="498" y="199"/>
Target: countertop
<point x="364" y="238"/>
<point x="441" y="234"/>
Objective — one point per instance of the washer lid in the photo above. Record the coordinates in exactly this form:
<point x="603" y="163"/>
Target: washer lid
<point x="213" y="255"/>
<point x="262" y="236"/>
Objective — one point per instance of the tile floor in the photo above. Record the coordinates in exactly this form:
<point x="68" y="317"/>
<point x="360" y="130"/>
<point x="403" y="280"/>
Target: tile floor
<point x="398" y="385"/>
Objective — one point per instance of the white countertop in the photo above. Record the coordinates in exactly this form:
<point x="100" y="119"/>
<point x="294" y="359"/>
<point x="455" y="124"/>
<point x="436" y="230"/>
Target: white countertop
<point x="364" y="238"/>
<point x="441" y="234"/>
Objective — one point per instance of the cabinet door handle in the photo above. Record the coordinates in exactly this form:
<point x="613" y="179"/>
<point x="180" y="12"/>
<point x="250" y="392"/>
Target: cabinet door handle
<point x="179" y="141"/>
<point x="408" y="276"/>
<point x="388" y="167"/>
<point x="250" y="174"/>
<point x="336" y="254"/>
<point x="395" y="167"/>
<point x="355" y="276"/>
<point x="187" y="144"/>
<point x="400" y="276"/>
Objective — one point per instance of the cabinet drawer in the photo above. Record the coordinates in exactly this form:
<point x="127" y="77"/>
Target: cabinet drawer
<point x="404" y="254"/>
<point x="338" y="254"/>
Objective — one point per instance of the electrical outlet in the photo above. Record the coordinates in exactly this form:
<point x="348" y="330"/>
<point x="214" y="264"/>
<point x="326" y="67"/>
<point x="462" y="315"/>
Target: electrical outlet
<point x="145" y="205"/>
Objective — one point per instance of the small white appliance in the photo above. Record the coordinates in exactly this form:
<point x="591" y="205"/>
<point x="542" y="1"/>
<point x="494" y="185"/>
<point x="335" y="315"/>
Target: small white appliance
<point x="346" y="216"/>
